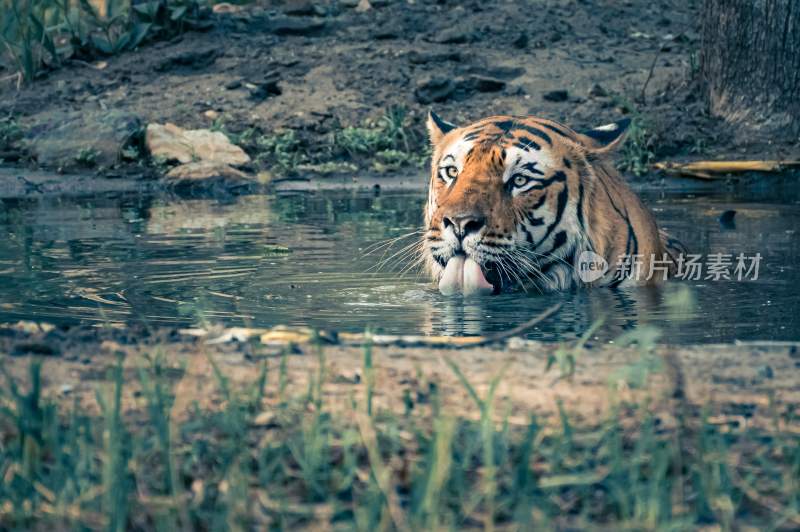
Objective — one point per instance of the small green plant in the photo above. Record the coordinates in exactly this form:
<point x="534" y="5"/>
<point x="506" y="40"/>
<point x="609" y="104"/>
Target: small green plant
<point x="638" y="152"/>
<point x="390" y="132"/>
<point x="390" y="160"/>
<point x="282" y="151"/>
<point x="388" y="142"/>
<point x="131" y="153"/>
<point x="87" y="157"/>
<point x="10" y="134"/>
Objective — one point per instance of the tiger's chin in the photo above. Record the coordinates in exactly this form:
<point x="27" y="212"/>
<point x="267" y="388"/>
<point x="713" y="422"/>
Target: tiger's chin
<point x="463" y="275"/>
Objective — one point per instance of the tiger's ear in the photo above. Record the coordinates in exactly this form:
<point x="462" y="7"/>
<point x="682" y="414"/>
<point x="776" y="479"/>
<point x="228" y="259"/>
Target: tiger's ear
<point x="607" y="138"/>
<point x="438" y="128"/>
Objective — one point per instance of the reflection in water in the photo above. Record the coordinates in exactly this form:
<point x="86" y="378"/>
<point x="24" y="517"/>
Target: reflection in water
<point x="303" y="260"/>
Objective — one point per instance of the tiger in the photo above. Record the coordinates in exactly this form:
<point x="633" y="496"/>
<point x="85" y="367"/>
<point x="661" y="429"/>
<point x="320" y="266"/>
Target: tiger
<point x="520" y="202"/>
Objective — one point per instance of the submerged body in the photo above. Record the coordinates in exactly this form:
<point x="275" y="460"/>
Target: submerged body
<point x="523" y="202"/>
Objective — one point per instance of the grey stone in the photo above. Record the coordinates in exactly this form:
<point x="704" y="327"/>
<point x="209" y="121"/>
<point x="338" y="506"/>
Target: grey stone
<point x="296" y="26"/>
<point x="434" y="90"/>
<point x="173" y="143"/>
<point x="453" y="35"/>
<point x="482" y="84"/>
<point x="521" y="41"/>
<point x="560" y="95"/>
<point x="200" y="171"/>
<point x="189" y="60"/>
<point x="597" y="91"/>
<point x="66" y="140"/>
<point x="300" y="8"/>
<point x="421" y="58"/>
<point x="499" y="72"/>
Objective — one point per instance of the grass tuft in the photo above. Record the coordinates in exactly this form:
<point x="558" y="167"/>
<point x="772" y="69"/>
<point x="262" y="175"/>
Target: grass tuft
<point x="305" y="463"/>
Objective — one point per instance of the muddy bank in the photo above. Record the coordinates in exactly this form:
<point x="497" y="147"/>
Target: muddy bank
<point x="285" y="81"/>
<point x="746" y="385"/>
<point x="22" y="183"/>
<point x="19" y="183"/>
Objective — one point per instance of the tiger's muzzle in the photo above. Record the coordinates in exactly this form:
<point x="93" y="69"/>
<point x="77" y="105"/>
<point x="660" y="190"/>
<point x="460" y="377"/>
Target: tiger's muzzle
<point x="465" y="270"/>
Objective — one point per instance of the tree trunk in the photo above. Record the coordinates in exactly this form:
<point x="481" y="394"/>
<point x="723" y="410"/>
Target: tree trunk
<point x="750" y="61"/>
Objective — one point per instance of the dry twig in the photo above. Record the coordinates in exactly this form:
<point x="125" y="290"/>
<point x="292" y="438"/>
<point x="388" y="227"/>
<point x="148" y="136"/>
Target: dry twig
<point x="710" y="170"/>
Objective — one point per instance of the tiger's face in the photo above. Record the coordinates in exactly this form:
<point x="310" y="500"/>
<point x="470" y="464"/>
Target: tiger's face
<point x="504" y="202"/>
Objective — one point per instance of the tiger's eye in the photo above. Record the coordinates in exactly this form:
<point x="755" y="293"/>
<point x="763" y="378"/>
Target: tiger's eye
<point x="520" y="180"/>
<point x="451" y="172"/>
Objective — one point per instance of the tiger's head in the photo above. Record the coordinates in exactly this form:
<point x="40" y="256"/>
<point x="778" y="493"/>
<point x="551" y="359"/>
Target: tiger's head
<point x="506" y="201"/>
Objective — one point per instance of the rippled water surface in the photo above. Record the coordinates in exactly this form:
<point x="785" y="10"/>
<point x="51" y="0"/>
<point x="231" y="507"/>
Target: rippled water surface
<point x="304" y="259"/>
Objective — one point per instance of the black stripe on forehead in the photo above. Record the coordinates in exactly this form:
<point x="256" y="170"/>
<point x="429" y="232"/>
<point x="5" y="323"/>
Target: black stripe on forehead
<point x="504" y="125"/>
<point x="526" y="143"/>
<point x="510" y="128"/>
<point x="475" y="132"/>
<point x="535" y="132"/>
<point x="558" y="129"/>
<point x="531" y="167"/>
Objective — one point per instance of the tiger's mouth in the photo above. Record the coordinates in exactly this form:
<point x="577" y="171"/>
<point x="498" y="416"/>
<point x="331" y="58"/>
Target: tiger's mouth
<point x="463" y="275"/>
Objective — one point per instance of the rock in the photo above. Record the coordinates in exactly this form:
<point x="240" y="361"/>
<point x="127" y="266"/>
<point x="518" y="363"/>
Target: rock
<point x="363" y="6"/>
<point x="521" y="41"/>
<point x="482" y="84"/>
<point x="265" y="420"/>
<point x="226" y="7"/>
<point x="453" y="35"/>
<point x="296" y="26"/>
<point x="34" y="348"/>
<point x="727" y="219"/>
<point x="421" y="58"/>
<point x="233" y="85"/>
<point x="597" y="91"/>
<point x="205" y="172"/>
<point x="300" y="8"/>
<point x="174" y="143"/>
<point x="192" y="59"/>
<point x="29" y="327"/>
<point x="67" y="140"/>
<point x="499" y="72"/>
<point x="560" y="95"/>
<point x="434" y="90"/>
<point x="385" y="33"/>
<point x="263" y="90"/>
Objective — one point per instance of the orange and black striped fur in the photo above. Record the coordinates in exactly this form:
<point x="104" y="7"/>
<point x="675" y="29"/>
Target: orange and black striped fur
<point x="524" y="197"/>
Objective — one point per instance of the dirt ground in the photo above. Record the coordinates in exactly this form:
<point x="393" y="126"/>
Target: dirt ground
<point x="740" y="385"/>
<point x="314" y="67"/>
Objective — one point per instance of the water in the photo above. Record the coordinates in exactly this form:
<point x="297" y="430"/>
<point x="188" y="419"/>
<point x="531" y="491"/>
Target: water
<point x="168" y="261"/>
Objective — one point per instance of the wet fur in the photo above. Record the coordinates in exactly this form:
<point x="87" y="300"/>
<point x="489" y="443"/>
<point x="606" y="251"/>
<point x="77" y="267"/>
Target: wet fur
<point x="577" y="202"/>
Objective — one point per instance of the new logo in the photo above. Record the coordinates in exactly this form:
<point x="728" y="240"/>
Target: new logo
<point x="591" y="266"/>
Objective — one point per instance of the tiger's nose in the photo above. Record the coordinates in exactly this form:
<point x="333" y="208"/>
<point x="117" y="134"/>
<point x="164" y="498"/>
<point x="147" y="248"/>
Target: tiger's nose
<point x="464" y="225"/>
